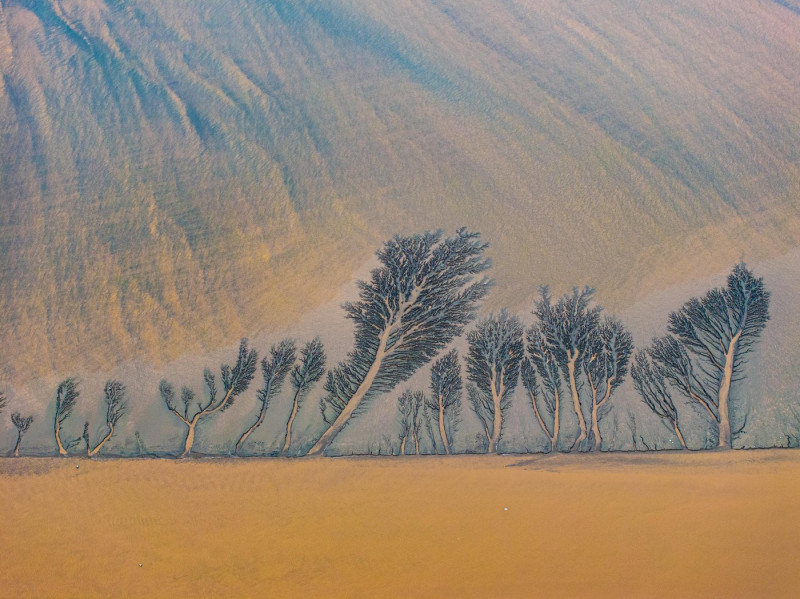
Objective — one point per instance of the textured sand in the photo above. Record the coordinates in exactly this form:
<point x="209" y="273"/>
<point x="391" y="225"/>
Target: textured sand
<point x="667" y="525"/>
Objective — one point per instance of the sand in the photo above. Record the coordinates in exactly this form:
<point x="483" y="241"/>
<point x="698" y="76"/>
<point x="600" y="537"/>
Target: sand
<point x="717" y="524"/>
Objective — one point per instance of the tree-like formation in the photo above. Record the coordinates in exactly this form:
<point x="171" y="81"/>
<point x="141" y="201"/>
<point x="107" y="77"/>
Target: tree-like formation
<point x="22" y="424"/>
<point x="234" y="381"/>
<point x="651" y="384"/>
<point x="116" y="406"/>
<point x="541" y="377"/>
<point x="422" y="296"/>
<point x="496" y="350"/>
<point x="444" y="403"/>
<point x="66" y="396"/>
<point x="304" y="376"/>
<point x="708" y="344"/>
<point x="274" y="369"/>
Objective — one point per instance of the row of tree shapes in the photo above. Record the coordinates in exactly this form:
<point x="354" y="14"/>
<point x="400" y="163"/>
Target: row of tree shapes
<point x="423" y="296"/>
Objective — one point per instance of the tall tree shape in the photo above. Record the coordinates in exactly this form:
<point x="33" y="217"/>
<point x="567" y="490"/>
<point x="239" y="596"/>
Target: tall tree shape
<point x="274" y="370"/>
<point x="422" y="296"/>
<point x="66" y="395"/>
<point x="715" y="333"/>
<point x="116" y="406"/>
<point x="496" y="350"/>
<point x="545" y="396"/>
<point x="567" y="326"/>
<point x="234" y="380"/>
<point x="304" y="376"/>
<point x="605" y="364"/>
<point x="410" y="407"/>
<point x="650" y="383"/>
<point x="445" y="399"/>
<point x="22" y="424"/>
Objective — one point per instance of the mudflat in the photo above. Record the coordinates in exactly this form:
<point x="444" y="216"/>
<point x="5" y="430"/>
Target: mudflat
<point x="671" y="524"/>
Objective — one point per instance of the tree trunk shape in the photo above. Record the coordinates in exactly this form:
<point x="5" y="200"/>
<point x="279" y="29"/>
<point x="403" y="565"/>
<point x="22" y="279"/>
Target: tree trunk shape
<point x="497" y="396"/>
<point x="57" y="430"/>
<point x="403" y="444"/>
<point x="442" y="429"/>
<point x="724" y="394"/>
<point x="572" y="357"/>
<point x="341" y="421"/>
<point x="261" y="415"/>
<point x="16" y="447"/>
<point x="292" y="416"/>
<point x="96" y="450"/>
<point x="542" y="425"/>
<point x="679" y="433"/>
<point x="187" y="447"/>
<point x="416" y="443"/>
<point x="556" y="422"/>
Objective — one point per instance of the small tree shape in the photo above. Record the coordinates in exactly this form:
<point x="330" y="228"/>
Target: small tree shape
<point x="2" y="401"/>
<point x="22" y="424"/>
<point x="493" y="362"/>
<point x="410" y="406"/>
<point x="304" y="376"/>
<point x="544" y="391"/>
<point x="445" y="399"/>
<point x="421" y="297"/>
<point x="66" y="395"/>
<point x="567" y="326"/>
<point x="275" y="369"/>
<point x="650" y="383"/>
<point x="116" y="406"/>
<point x="710" y="340"/>
<point x="605" y="364"/>
<point x="234" y="380"/>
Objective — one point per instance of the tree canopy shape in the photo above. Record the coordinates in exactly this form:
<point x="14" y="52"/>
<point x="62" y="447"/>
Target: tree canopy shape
<point x="66" y="395"/>
<point x="275" y="370"/>
<point x="422" y="296"/>
<point x="445" y="400"/>
<point x="709" y="341"/>
<point x="495" y="353"/>
<point x="304" y="376"/>
<point x="235" y="382"/>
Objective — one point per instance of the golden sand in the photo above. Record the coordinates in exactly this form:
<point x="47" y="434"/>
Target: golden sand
<point x="667" y="525"/>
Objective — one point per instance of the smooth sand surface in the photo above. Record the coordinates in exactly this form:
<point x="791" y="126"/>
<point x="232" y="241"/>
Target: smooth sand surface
<point x="717" y="524"/>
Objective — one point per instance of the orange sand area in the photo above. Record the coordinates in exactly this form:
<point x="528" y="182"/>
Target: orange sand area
<point x="667" y="525"/>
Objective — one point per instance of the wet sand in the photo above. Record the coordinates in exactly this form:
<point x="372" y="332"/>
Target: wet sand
<point x="667" y="525"/>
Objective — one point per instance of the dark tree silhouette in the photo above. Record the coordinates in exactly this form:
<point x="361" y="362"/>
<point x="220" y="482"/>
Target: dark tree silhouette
<point x="567" y="327"/>
<point x="275" y="371"/>
<point x="2" y="401"/>
<point x="234" y="381"/>
<point x="22" y="424"/>
<point x="605" y="364"/>
<point x="304" y="376"/>
<point x="66" y="395"/>
<point x="496" y="350"/>
<point x="709" y="342"/>
<point x="544" y="390"/>
<point x="650" y="383"/>
<point x="410" y="406"/>
<point x="422" y="296"/>
<point x="445" y="399"/>
<point x="116" y="406"/>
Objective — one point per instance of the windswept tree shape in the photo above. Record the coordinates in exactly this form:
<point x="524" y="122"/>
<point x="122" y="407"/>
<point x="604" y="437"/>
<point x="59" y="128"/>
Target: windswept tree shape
<point x="116" y="406"/>
<point x="605" y="364"/>
<point x="304" y="376"/>
<point x="274" y="370"/>
<point x="22" y="425"/>
<point x="567" y="326"/>
<point x="422" y="296"/>
<point x="2" y="401"/>
<point x="234" y="380"/>
<point x="649" y="381"/>
<point x="66" y="395"/>
<point x="445" y="399"/>
<point x="496" y="350"/>
<point x="710" y="340"/>
<point x="410" y="406"/>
